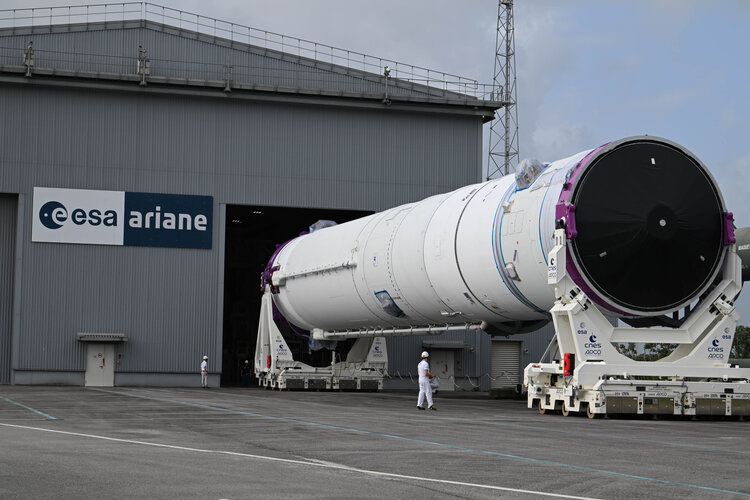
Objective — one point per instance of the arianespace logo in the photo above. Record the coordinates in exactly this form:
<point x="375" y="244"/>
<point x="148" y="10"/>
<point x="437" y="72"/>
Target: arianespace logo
<point x="122" y="218"/>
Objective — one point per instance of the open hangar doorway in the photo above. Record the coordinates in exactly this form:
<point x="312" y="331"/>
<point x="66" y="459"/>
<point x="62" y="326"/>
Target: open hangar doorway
<point x="252" y="233"/>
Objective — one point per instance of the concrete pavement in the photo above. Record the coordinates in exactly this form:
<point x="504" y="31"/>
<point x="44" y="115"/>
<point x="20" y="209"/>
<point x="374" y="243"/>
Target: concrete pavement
<point x="236" y="443"/>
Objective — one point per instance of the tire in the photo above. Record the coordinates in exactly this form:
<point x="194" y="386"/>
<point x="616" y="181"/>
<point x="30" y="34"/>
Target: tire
<point x="590" y="413"/>
<point x="542" y="410"/>
<point x="565" y="411"/>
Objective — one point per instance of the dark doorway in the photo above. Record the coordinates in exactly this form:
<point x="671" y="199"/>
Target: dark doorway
<point x="8" y="217"/>
<point x="252" y="233"/>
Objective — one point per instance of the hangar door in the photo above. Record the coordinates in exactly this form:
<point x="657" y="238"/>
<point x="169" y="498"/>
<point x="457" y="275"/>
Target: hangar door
<point x="252" y="233"/>
<point x="8" y="207"/>
<point x="506" y="364"/>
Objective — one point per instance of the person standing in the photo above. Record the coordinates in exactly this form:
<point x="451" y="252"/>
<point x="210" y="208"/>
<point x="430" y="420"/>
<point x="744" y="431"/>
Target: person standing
<point x="246" y="373"/>
<point x="204" y="372"/>
<point x="425" y="389"/>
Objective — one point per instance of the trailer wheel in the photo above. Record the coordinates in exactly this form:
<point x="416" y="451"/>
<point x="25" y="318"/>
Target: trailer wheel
<point x="565" y="410"/>
<point x="590" y="412"/>
<point x="542" y="410"/>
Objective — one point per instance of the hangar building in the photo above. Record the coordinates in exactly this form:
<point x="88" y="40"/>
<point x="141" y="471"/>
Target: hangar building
<point x="150" y="161"/>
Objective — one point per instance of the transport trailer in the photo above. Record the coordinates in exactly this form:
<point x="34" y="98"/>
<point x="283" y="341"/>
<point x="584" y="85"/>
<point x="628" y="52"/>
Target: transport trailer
<point x="635" y="230"/>
<point x="551" y="392"/>
<point x="275" y="368"/>
<point x="640" y="262"/>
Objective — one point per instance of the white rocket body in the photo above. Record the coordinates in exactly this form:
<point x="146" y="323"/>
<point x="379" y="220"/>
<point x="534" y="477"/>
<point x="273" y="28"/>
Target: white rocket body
<point x="477" y="254"/>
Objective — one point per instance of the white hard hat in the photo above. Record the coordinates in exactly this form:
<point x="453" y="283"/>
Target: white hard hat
<point x="425" y="354"/>
<point x="205" y="357"/>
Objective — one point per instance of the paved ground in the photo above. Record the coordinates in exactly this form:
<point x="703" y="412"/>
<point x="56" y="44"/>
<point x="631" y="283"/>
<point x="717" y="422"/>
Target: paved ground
<point x="62" y="442"/>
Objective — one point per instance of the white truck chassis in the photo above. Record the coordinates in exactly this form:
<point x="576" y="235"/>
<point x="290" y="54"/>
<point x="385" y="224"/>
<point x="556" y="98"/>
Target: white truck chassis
<point x="275" y="368"/>
<point x="695" y="379"/>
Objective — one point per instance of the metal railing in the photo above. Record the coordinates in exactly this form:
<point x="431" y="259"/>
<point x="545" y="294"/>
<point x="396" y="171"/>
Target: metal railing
<point x="136" y="11"/>
<point x="300" y="77"/>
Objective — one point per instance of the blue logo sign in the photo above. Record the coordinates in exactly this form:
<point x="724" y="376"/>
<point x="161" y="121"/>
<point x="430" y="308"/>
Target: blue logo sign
<point x="715" y="342"/>
<point x="168" y="220"/>
<point x="121" y="218"/>
<point x="592" y="338"/>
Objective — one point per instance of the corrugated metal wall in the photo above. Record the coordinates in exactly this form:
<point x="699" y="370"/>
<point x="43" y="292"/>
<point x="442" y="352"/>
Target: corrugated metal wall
<point x="473" y="357"/>
<point x="506" y="364"/>
<point x="8" y="208"/>
<point x="240" y="152"/>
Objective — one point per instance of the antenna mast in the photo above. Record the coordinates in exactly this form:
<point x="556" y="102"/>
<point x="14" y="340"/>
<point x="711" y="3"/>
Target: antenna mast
<point x="504" y="129"/>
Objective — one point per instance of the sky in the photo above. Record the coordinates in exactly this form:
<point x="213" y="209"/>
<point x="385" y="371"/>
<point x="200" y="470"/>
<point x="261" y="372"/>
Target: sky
<point x="588" y="72"/>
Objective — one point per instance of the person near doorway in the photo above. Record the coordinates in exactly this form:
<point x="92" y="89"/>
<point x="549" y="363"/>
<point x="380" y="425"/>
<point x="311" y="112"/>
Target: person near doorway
<point x="245" y="374"/>
<point x="425" y="389"/>
<point x="204" y="372"/>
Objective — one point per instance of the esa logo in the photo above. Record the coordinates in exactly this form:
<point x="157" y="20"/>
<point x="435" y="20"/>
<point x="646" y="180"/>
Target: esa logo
<point x="53" y="215"/>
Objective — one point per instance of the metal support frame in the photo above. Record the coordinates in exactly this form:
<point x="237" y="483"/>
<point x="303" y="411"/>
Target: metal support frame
<point x="393" y="332"/>
<point x="144" y="65"/>
<point x="228" y="68"/>
<point x="275" y="367"/>
<point x="28" y="58"/>
<point x="386" y="76"/>
<point x="695" y="379"/>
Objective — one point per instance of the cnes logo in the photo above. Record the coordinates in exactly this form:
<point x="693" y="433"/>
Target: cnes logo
<point x="53" y="215"/>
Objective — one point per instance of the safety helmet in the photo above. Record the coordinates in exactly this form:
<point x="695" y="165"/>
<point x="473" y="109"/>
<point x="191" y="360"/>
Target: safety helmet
<point x="205" y="357"/>
<point x="425" y="354"/>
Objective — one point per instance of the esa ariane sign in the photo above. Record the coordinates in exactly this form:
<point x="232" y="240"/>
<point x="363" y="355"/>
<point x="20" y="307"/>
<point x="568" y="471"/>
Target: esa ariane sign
<point x="121" y="218"/>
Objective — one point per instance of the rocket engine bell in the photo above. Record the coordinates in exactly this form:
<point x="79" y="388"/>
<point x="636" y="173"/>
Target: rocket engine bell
<point x="646" y="227"/>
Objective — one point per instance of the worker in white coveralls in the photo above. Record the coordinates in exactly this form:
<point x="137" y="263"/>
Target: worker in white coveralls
<point x="204" y="372"/>
<point x="425" y="389"/>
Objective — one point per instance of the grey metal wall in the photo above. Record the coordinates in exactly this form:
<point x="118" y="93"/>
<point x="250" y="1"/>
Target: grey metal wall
<point x="8" y="204"/>
<point x="473" y="355"/>
<point x="240" y="152"/>
<point x="82" y="121"/>
<point x="404" y="353"/>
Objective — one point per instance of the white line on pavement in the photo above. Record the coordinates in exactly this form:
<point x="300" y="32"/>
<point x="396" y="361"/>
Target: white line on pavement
<point x="297" y="462"/>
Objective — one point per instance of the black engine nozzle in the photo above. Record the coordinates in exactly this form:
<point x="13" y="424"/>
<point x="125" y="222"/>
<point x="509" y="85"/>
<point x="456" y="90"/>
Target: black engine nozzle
<point x="651" y="225"/>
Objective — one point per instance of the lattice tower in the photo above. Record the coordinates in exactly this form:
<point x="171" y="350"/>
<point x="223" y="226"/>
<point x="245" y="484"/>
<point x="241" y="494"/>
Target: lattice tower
<point x="503" y="153"/>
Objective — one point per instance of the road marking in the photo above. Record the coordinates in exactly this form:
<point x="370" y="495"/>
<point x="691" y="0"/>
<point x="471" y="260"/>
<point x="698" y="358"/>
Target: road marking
<point x="431" y="443"/>
<point x="28" y="408"/>
<point x="600" y="435"/>
<point x="306" y="463"/>
<point x="535" y="428"/>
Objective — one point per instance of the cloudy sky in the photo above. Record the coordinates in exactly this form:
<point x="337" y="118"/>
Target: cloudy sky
<point x="588" y="71"/>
